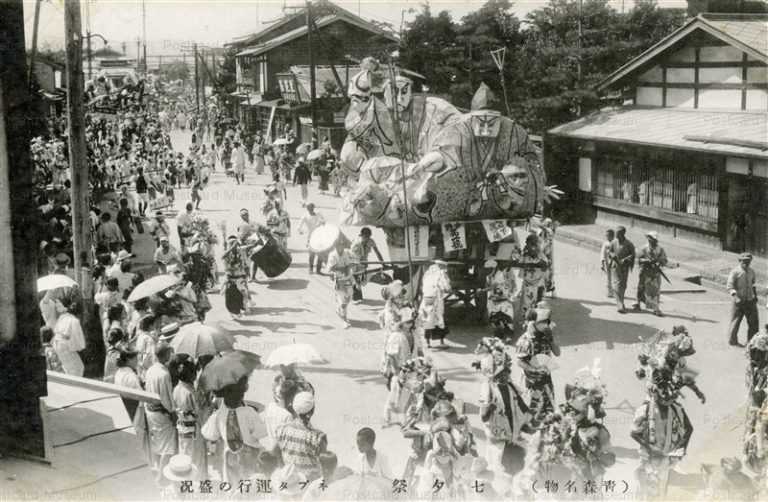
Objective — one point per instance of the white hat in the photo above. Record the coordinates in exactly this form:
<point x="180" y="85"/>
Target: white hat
<point x="490" y="263"/>
<point x="303" y="403"/>
<point x="653" y="235"/>
<point x="123" y="255"/>
<point x="180" y="468"/>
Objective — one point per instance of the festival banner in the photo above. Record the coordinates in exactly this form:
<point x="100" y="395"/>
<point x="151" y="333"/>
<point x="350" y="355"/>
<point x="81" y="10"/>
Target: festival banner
<point x="419" y="239"/>
<point x="454" y="237"/>
<point x="496" y="230"/>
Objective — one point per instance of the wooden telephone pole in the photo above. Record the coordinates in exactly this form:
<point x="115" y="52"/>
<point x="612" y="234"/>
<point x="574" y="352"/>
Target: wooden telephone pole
<point x="22" y="379"/>
<point x="78" y="157"/>
<point x="312" y="81"/>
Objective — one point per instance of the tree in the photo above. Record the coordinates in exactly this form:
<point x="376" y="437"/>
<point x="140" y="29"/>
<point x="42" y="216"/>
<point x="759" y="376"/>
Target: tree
<point x="227" y="77"/>
<point x="561" y="79"/>
<point x="177" y="70"/>
<point x="423" y="45"/>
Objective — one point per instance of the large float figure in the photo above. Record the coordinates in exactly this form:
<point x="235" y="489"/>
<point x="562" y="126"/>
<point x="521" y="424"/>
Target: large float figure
<point x="458" y="167"/>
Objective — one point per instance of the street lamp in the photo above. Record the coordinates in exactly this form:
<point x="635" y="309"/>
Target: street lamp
<point x="88" y="37"/>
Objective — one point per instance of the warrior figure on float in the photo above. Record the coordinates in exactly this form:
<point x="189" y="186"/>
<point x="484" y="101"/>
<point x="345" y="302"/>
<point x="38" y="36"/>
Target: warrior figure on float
<point x="457" y="166"/>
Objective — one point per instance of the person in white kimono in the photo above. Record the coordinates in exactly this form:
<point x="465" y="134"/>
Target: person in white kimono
<point x="403" y="343"/>
<point x="435" y="287"/>
<point x="160" y="416"/>
<point x="68" y="338"/>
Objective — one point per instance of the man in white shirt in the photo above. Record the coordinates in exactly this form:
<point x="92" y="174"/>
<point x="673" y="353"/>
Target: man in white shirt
<point x="184" y="224"/>
<point x="121" y="270"/>
<point x="166" y="255"/>
<point x="162" y="431"/>
<point x="309" y="222"/>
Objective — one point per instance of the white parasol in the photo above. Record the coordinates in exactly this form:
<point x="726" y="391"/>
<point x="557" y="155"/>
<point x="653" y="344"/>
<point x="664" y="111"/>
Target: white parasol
<point x="323" y="238"/>
<point x="280" y="142"/>
<point x="197" y="339"/>
<point x="54" y="281"/>
<point x="295" y="353"/>
<point x="315" y="154"/>
<point x="154" y="285"/>
<point x="303" y="148"/>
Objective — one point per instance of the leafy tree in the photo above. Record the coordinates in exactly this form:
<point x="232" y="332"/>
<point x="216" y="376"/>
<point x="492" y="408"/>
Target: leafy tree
<point x="227" y="76"/>
<point x="423" y="46"/>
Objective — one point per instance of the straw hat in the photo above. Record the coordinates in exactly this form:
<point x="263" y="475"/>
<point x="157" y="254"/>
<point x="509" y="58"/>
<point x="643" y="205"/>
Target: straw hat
<point x="180" y="468"/>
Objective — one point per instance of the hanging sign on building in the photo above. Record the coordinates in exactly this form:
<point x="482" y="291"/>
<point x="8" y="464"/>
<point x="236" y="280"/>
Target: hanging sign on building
<point x="419" y="240"/>
<point x="454" y="237"/>
<point x="496" y="230"/>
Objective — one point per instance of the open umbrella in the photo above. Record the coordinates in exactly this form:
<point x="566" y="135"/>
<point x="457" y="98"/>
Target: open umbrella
<point x="315" y="154"/>
<point x="303" y="149"/>
<point x="228" y="369"/>
<point x="295" y="353"/>
<point x="323" y="238"/>
<point x="197" y="339"/>
<point x="54" y="281"/>
<point x="280" y="141"/>
<point x="153" y="285"/>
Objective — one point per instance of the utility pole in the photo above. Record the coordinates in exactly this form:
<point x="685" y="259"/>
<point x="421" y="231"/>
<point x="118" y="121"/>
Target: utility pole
<point x="312" y="83"/>
<point x="34" y="43"/>
<point x="578" y="61"/>
<point x="144" y="31"/>
<point x="197" y="83"/>
<point x="88" y="37"/>
<point x="138" y="53"/>
<point x="78" y="158"/>
<point x="22" y="380"/>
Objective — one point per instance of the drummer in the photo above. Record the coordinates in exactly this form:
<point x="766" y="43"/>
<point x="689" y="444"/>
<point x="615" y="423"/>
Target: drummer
<point x="309" y="222"/>
<point x="361" y="249"/>
<point x="279" y="223"/>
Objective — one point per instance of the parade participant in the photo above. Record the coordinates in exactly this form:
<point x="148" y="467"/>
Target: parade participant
<point x="236" y="293"/>
<point x="324" y="171"/>
<point x="741" y="286"/>
<point x="166" y="255"/>
<point x="532" y="275"/>
<point x="402" y="345"/>
<point x="142" y="187"/>
<point x="302" y="176"/>
<point x="188" y="423"/>
<point x="534" y="350"/>
<point x="757" y="383"/>
<point x="661" y="426"/>
<point x="309" y="222"/>
<point x="605" y="262"/>
<point x="160" y="416"/>
<point x="651" y="259"/>
<point x="279" y="224"/>
<point x="273" y="194"/>
<point x="125" y="223"/>
<point x="502" y="408"/>
<point x="238" y="162"/>
<point x="245" y="228"/>
<point x="258" y="154"/>
<point x="198" y="265"/>
<point x="546" y="235"/>
<point x="435" y="287"/>
<point x="440" y="469"/>
<point x="160" y="228"/>
<point x="299" y="442"/>
<point x="68" y="338"/>
<point x="372" y="462"/>
<point x="184" y="294"/>
<point x="109" y="234"/>
<point x="501" y="287"/>
<point x="184" y="225"/>
<point x="361" y="249"/>
<point x="340" y="266"/>
<point x="240" y="428"/>
<point x="621" y="259"/>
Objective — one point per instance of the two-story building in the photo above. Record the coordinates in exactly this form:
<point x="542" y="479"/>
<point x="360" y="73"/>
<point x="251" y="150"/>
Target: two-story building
<point x="272" y="69"/>
<point x="685" y="152"/>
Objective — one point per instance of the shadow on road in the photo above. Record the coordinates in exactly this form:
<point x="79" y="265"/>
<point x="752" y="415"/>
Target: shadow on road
<point x="288" y="284"/>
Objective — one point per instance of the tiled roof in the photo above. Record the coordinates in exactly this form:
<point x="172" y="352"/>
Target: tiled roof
<point x="751" y="30"/>
<point x="665" y="127"/>
<point x="746" y="32"/>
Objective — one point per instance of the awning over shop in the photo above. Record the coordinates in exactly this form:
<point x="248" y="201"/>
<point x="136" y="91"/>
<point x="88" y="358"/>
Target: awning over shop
<point x="281" y="105"/>
<point x="726" y="133"/>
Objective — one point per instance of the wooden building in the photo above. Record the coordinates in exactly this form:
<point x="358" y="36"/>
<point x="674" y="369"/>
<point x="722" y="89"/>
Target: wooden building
<point x="266" y="97"/>
<point x="685" y="151"/>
